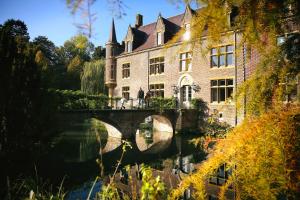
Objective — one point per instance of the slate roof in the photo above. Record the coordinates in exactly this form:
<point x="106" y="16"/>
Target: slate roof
<point x="144" y="36"/>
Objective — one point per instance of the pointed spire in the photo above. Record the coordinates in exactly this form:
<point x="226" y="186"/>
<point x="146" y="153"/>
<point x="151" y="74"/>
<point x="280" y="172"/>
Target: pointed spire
<point x="112" y="35"/>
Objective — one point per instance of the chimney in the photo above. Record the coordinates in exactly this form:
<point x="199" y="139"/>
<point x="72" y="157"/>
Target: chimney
<point x="139" y="21"/>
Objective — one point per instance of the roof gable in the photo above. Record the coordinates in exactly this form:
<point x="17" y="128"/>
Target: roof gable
<point x="188" y="15"/>
<point x="130" y="35"/>
<point x="144" y="37"/>
<point x="160" y="25"/>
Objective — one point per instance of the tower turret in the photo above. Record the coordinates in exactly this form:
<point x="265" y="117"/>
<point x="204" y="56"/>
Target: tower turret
<point x="111" y="62"/>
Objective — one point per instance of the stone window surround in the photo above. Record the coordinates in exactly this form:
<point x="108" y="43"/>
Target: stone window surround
<point x="215" y="87"/>
<point x="157" y="89"/>
<point x="187" y="60"/>
<point x="157" y="66"/>
<point x="126" y="92"/>
<point x="113" y="72"/>
<point x="125" y="70"/>
<point x="219" y="52"/>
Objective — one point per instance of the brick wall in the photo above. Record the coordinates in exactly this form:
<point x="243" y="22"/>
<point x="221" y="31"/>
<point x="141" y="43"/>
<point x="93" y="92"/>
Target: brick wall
<point x="201" y="73"/>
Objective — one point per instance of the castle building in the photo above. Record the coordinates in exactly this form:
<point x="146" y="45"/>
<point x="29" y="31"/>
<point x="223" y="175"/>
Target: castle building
<point x="144" y="61"/>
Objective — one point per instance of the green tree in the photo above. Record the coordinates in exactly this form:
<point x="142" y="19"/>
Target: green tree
<point x="92" y="79"/>
<point x="72" y="55"/>
<point x="99" y="53"/>
<point x="20" y="84"/>
<point x="48" y="48"/>
<point x="47" y="57"/>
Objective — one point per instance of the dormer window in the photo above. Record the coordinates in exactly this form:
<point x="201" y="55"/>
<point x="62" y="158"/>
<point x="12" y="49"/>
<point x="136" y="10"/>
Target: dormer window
<point x="187" y="33"/>
<point x="158" y="35"/>
<point x="187" y="27"/>
<point x="129" y="46"/>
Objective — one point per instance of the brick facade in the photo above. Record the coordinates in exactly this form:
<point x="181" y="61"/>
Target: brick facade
<point x="201" y="72"/>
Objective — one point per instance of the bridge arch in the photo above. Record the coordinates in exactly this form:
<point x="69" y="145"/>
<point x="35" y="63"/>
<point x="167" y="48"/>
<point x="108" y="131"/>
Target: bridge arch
<point x="155" y="134"/>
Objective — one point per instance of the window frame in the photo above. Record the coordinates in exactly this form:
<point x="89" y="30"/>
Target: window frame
<point x="187" y="60"/>
<point x="218" y="89"/>
<point x="126" y="92"/>
<point x="159" y="38"/>
<point x="113" y="72"/>
<point x="129" y="46"/>
<point x="125" y="70"/>
<point x="157" y="89"/>
<point x="157" y="66"/>
<point x="223" y="51"/>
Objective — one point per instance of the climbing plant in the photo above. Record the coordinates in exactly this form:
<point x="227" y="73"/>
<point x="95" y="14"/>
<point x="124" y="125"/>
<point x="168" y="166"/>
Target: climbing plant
<point x="263" y="155"/>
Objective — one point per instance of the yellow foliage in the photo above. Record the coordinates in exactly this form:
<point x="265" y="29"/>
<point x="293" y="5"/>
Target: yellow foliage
<point x="41" y="60"/>
<point x="263" y="154"/>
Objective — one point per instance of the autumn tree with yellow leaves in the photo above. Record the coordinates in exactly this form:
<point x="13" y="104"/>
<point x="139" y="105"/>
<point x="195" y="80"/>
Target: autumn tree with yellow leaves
<point x="263" y="152"/>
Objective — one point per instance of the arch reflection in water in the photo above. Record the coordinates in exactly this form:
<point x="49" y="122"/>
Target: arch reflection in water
<point x="113" y="139"/>
<point x="154" y="134"/>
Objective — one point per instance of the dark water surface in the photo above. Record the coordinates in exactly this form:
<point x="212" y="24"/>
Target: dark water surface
<point x="74" y="152"/>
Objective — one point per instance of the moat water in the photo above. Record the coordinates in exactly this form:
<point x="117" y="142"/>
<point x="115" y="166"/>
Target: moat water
<point x="74" y="152"/>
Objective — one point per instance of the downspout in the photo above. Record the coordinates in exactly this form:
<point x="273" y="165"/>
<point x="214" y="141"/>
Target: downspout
<point x="148" y="70"/>
<point x="244" y="69"/>
<point x="235" y="75"/>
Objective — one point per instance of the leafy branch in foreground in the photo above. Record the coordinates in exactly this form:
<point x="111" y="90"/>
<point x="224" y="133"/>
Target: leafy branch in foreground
<point x="110" y="191"/>
<point x="262" y="154"/>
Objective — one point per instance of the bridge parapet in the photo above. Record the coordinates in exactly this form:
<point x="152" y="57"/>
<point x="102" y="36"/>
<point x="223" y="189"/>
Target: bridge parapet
<point x="128" y="121"/>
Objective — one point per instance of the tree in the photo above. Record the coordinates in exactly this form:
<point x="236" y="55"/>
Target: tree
<point x="72" y="55"/>
<point x="92" y="80"/>
<point x="47" y="57"/>
<point x="48" y="49"/>
<point x="259" y="23"/>
<point x="99" y="53"/>
<point x="262" y="152"/>
<point x="88" y="17"/>
<point x="20" y="79"/>
<point x="85" y="9"/>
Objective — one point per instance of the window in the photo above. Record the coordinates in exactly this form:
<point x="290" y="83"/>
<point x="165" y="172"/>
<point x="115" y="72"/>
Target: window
<point x="157" y="90"/>
<point x="187" y="27"/>
<point x="283" y="38"/>
<point x="126" y="70"/>
<point x="185" y="61"/>
<point x="187" y="33"/>
<point x="158" y="38"/>
<point x="157" y="65"/>
<point x="186" y="93"/>
<point x="125" y="92"/>
<point x="221" y="89"/>
<point x="113" y="72"/>
<point x="129" y="46"/>
<point x="221" y="56"/>
<point x="221" y="176"/>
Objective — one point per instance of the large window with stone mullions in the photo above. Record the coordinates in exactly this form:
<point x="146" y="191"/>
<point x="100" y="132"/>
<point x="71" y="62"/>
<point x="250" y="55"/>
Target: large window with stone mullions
<point x="126" y="70"/>
<point x="185" y="61"/>
<point x="157" y="65"/>
<point x="221" y="56"/>
<point x="221" y="89"/>
<point x="125" y="92"/>
<point x="157" y="90"/>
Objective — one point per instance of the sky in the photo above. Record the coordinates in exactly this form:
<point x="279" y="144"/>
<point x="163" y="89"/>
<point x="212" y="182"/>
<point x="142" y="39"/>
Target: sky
<point x="52" y="18"/>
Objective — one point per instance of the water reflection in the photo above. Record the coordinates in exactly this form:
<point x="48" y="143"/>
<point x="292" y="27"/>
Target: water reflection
<point x="154" y="134"/>
<point x="75" y="150"/>
<point x="81" y="142"/>
<point x="113" y="139"/>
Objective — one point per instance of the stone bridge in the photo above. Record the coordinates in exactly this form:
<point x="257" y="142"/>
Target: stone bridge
<point x="127" y="121"/>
